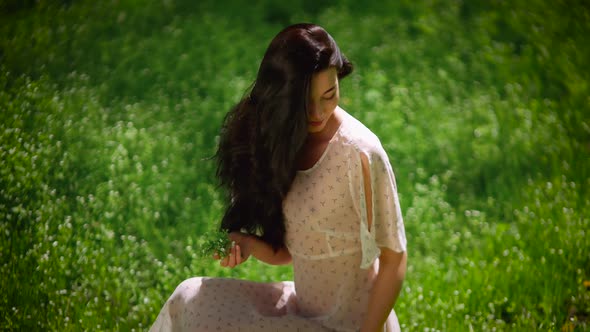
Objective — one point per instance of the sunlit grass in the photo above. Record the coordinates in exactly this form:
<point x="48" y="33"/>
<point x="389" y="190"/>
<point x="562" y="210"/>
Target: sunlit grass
<point x="109" y="116"/>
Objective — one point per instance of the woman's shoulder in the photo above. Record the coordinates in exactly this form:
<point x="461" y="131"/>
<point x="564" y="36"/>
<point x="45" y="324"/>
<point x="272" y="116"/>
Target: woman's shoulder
<point x="358" y="136"/>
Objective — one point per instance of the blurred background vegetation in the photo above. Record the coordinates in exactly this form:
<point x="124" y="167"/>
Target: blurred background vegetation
<point x="110" y="112"/>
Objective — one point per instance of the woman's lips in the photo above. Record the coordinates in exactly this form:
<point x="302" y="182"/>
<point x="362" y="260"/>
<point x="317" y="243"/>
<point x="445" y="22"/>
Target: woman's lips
<point x="315" y="123"/>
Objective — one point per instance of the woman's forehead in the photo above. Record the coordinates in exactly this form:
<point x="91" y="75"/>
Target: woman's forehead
<point x="324" y="80"/>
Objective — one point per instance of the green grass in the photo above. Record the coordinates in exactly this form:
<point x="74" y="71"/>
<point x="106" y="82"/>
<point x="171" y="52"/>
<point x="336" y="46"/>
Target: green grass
<point x="109" y="113"/>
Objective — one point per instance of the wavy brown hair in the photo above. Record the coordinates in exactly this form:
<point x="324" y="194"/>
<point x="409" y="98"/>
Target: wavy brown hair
<point x="263" y="133"/>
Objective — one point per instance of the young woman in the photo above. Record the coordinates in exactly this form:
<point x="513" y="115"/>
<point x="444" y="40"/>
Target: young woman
<point x="309" y="185"/>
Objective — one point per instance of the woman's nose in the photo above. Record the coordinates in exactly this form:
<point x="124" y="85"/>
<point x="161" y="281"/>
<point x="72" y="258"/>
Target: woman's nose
<point x="312" y="112"/>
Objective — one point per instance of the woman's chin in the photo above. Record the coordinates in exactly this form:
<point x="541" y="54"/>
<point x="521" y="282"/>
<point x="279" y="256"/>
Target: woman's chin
<point x="315" y="129"/>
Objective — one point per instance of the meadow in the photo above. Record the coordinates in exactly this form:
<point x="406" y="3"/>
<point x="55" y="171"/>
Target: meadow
<point x="109" y="116"/>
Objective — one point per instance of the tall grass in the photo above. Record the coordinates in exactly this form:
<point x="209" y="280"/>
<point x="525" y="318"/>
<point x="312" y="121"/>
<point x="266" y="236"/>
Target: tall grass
<point x="110" y="113"/>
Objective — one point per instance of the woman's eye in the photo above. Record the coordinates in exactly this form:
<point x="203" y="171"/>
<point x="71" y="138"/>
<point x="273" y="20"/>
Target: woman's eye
<point x="331" y="97"/>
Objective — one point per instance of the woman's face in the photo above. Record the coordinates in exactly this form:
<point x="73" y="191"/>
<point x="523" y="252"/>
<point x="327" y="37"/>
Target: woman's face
<point x="324" y="95"/>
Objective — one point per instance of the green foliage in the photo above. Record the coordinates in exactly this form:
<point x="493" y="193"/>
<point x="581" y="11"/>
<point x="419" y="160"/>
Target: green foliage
<point x="109" y="114"/>
<point x="215" y="242"/>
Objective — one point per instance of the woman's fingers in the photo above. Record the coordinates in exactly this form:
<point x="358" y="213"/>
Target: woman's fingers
<point x="238" y="255"/>
<point x="224" y="261"/>
<point x="232" y="255"/>
<point x="233" y="259"/>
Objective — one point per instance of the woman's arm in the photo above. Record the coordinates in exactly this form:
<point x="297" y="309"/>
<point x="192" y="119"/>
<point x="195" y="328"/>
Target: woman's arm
<point x="392" y="269"/>
<point x="387" y="286"/>
<point x="245" y="245"/>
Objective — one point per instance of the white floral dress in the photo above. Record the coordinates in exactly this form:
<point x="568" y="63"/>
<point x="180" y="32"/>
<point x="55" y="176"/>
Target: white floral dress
<point x="335" y="254"/>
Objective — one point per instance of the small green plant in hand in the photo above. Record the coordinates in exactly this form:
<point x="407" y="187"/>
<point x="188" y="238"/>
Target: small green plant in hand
<point x="215" y="242"/>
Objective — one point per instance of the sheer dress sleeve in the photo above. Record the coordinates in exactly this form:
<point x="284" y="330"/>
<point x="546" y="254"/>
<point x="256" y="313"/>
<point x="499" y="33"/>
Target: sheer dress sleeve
<point x="387" y="226"/>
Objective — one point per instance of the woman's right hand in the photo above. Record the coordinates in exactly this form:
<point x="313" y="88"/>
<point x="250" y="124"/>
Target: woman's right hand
<point x="246" y="245"/>
<point x="239" y="250"/>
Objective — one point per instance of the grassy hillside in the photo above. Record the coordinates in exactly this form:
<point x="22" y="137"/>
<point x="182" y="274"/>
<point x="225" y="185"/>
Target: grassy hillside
<point x="109" y="114"/>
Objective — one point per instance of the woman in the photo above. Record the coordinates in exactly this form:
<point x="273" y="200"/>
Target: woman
<point x="310" y="185"/>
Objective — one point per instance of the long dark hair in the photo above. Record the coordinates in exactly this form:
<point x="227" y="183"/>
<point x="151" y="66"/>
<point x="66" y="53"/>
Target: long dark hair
<point x="262" y="135"/>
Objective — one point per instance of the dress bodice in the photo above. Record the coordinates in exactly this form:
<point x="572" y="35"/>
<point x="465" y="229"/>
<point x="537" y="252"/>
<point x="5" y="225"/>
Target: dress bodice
<point x="333" y="250"/>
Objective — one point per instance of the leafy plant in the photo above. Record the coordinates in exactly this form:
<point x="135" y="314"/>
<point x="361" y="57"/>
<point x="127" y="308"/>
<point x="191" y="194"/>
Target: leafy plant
<point x="215" y="242"/>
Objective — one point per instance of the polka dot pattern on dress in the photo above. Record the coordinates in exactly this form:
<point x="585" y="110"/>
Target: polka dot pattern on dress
<point x="334" y="252"/>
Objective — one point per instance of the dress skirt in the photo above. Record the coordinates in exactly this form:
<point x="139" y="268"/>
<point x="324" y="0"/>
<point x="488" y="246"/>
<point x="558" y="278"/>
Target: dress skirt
<point x="223" y="304"/>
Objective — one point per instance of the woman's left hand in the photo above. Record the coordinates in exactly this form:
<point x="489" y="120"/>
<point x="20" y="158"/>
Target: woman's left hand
<point x="239" y="251"/>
